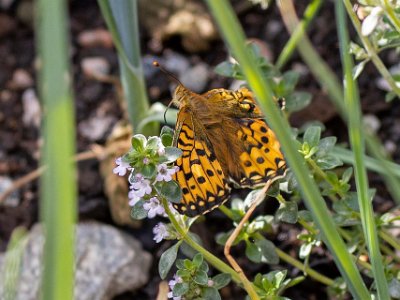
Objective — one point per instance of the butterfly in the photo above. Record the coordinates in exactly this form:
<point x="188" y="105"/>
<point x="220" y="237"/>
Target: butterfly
<point x="225" y="141"/>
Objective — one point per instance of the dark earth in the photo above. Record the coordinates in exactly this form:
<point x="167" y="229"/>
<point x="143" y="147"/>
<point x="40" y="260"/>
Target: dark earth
<point x="20" y="143"/>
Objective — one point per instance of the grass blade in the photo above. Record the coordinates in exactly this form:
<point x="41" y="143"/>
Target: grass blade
<point x="352" y="102"/>
<point x="122" y="20"/>
<point x="58" y="187"/>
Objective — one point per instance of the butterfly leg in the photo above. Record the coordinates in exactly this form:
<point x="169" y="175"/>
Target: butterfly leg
<point x="238" y="229"/>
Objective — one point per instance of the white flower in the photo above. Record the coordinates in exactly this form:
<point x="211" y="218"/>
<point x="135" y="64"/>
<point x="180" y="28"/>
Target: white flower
<point x="122" y="167"/>
<point x="171" y="284"/>
<point x="153" y="207"/>
<point x="141" y="186"/>
<point x="165" y="174"/>
<point x="161" y="148"/>
<point x="160" y="232"/>
<point x="210" y="282"/>
<point x="371" y="21"/>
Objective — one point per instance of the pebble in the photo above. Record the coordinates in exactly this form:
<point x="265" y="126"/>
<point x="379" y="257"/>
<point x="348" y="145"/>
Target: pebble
<point x="94" y="67"/>
<point x="96" y="127"/>
<point x="372" y="123"/>
<point x="13" y="199"/>
<point x="196" y="78"/>
<point x="32" y="113"/>
<point x="95" y="38"/>
<point x="108" y="262"/>
<point x="21" y="80"/>
<point x="5" y="4"/>
<point x="390" y="147"/>
<point x="7" y="25"/>
<point x="176" y="63"/>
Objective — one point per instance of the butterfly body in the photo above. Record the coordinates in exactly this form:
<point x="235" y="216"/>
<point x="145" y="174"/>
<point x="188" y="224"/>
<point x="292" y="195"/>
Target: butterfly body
<point x="224" y="140"/>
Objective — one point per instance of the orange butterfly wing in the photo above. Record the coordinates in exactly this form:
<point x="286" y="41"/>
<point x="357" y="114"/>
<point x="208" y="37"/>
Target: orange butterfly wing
<point x="261" y="159"/>
<point x="200" y="175"/>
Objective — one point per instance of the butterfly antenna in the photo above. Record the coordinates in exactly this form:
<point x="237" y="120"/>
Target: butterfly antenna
<point x="173" y="77"/>
<point x="157" y="65"/>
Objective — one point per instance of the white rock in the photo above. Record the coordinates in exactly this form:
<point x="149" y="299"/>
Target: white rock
<point x="95" y="127"/>
<point x="12" y="200"/>
<point x="108" y="262"/>
<point x="21" y="80"/>
<point x="372" y="123"/>
<point x="195" y="78"/>
<point x="31" y="108"/>
<point x="94" y="67"/>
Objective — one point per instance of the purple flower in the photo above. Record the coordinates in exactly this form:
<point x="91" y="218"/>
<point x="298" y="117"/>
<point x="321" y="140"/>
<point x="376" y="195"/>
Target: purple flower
<point x="122" y="167"/>
<point x="133" y="198"/>
<point x="171" y="284"/>
<point x="153" y="207"/>
<point x="160" y="232"/>
<point x="210" y="283"/>
<point x="146" y="161"/>
<point x="165" y="174"/>
<point x="141" y="186"/>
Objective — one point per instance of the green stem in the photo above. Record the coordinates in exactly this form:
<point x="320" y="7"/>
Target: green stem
<point x="299" y="265"/>
<point x="370" y="49"/>
<point x="291" y="45"/>
<point x="391" y="14"/>
<point x="389" y="239"/>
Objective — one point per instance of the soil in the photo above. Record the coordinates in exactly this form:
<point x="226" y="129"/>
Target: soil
<point x="20" y="143"/>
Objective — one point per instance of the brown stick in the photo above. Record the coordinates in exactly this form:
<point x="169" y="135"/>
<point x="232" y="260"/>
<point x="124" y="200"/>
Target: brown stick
<point x="97" y="151"/>
<point x="238" y="229"/>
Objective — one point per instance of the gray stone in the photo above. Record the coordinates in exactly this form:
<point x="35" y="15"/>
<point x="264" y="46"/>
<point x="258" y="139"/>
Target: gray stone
<point x="32" y="111"/>
<point x="108" y="262"/>
<point x="195" y="78"/>
<point x="14" y="198"/>
<point x="96" y="127"/>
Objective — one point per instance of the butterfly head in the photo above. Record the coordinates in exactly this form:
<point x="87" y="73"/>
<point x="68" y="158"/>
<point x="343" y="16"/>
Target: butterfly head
<point x="181" y="96"/>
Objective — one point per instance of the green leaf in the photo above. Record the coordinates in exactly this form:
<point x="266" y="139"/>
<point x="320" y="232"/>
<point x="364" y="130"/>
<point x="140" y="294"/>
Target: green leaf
<point x="347" y="174"/>
<point x="253" y="252"/>
<point x="290" y="79"/>
<point x="138" y="142"/>
<point x="153" y="143"/>
<point x="221" y="238"/>
<point x="312" y="136"/>
<point x="329" y="162"/>
<point x="166" y="130"/>
<point x="201" y="277"/>
<point x="211" y="293"/>
<point x="180" y="289"/>
<point x="287" y="212"/>
<point x="226" y="69"/>
<point x="172" y="153"/>
<point x="262" y="250"/>
<point x="221" y="280"/>
<point x="138" y="212"/>
<point x="171" y="191"/>
<point x="268" y="251"/>
<point x="186" y="249"/>
<point x="198" y="259"/>
<point x="325" y="145"/>
<point x="297" y="101"/>
<point x="305" y="215"/>
<point x="149" y="171"/>
<point x="166" y="140"/>
<point x="167" y="259"/>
